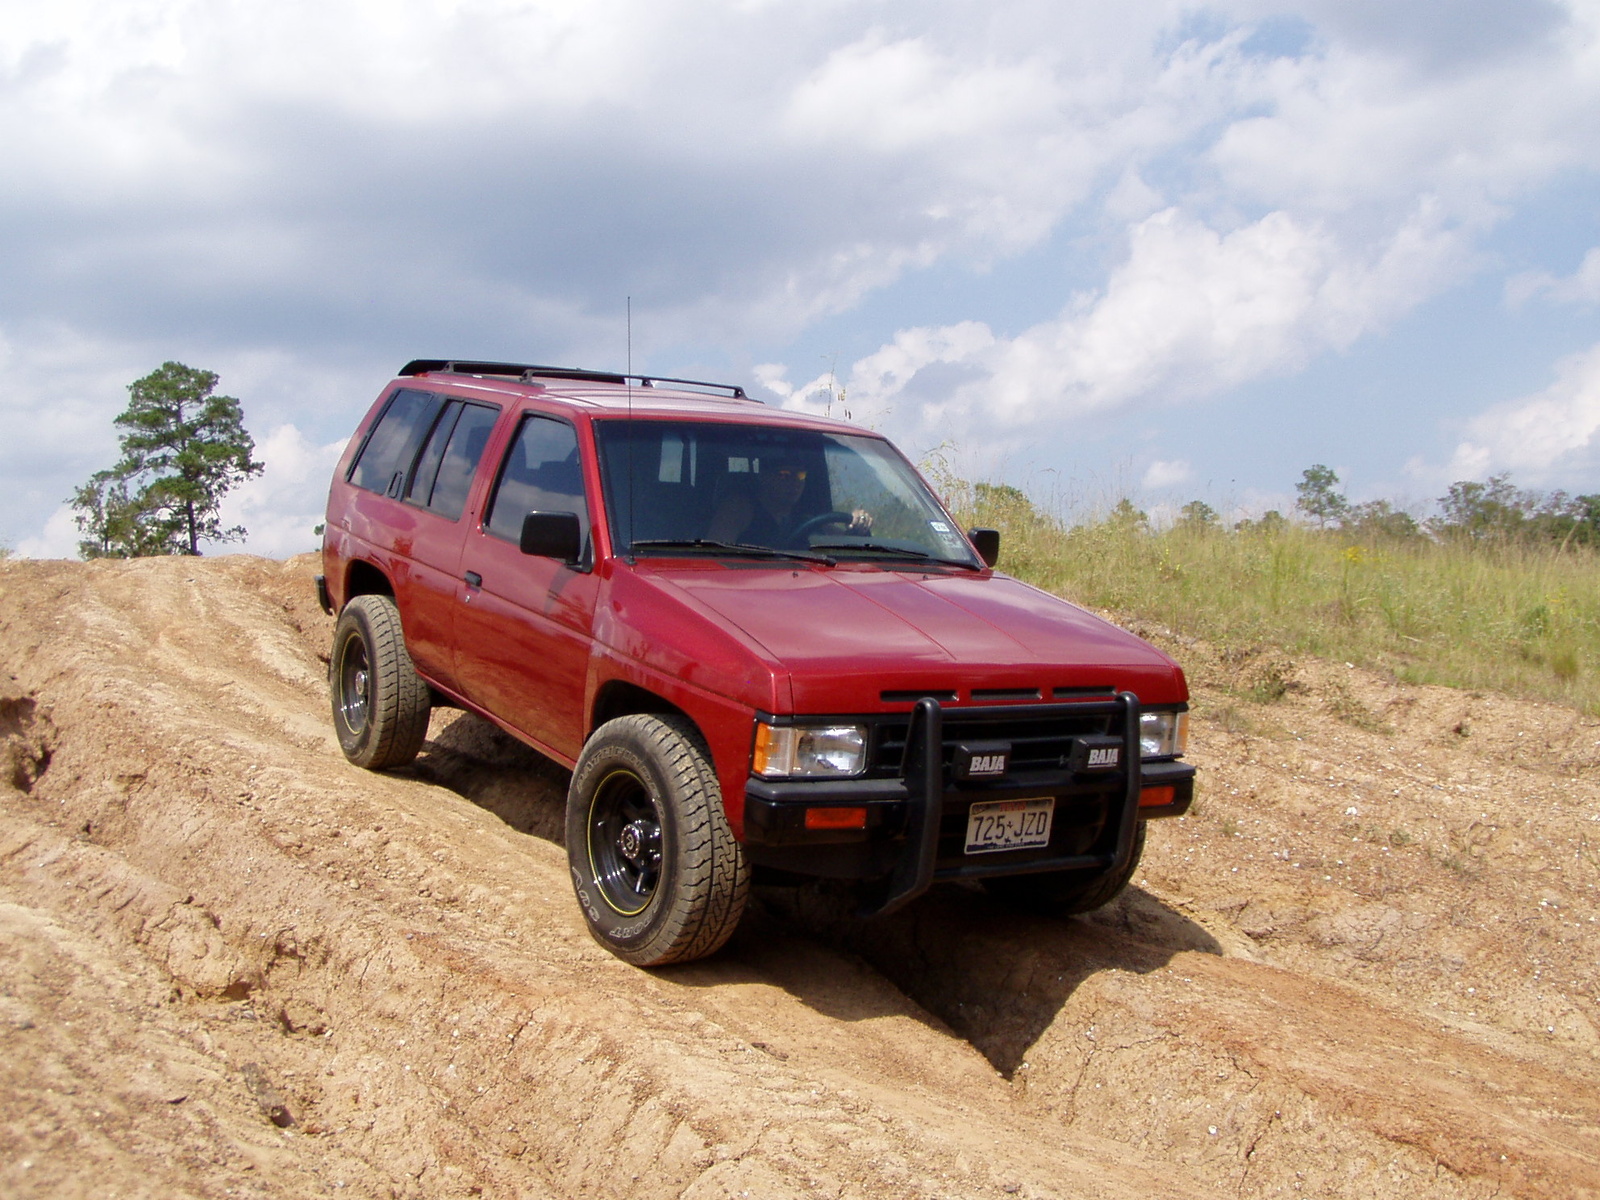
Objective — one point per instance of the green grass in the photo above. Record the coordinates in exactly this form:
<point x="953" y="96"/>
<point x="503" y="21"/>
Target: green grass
<point x="1517" y="618"/>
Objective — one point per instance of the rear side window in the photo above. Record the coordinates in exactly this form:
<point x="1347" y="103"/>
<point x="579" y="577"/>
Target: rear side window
<point x="393" y="443"/>
<point x="541" y="474"/>
<point x="450" y="458"/>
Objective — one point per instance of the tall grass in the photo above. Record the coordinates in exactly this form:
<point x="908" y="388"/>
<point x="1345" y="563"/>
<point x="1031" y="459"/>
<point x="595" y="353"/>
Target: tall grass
<point x="1512" y="617"/>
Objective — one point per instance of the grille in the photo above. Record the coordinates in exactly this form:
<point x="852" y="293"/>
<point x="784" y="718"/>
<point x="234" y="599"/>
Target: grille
<point x="1040" y="741"/>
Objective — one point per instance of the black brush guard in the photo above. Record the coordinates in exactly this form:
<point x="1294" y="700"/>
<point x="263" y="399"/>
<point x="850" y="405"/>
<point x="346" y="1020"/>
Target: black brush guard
<point x="917" y="869"/>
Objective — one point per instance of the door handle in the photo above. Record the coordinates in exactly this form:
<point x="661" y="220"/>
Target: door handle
<point x="474" y="579"/>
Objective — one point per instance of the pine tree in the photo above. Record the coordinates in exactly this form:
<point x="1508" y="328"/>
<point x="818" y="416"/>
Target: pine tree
<point x="183" y="449"/>
<point x="1198" y="516"/>
<point x="1320" y="498"/>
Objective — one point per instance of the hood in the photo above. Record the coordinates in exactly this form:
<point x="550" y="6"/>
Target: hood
<point x="846" y="635"/>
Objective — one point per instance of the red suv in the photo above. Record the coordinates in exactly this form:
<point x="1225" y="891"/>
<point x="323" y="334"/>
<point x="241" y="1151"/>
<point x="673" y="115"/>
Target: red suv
<point x="763" y="647"/>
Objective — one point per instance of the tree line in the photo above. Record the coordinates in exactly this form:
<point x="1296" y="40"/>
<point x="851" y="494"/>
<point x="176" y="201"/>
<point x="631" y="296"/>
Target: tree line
<point x="1494" y="510"/>
<point x="1491" y="511"/>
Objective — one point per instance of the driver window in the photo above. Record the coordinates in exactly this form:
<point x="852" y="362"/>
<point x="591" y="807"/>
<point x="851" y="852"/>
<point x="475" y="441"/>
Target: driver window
<point x="541" y="473"/>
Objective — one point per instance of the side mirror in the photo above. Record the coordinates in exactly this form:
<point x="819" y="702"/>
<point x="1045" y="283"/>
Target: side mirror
<point x="987" y="543"/>
<point x="552" y="535"/>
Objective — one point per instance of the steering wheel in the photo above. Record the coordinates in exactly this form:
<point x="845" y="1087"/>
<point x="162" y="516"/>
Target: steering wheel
<point x="811" y="524"/>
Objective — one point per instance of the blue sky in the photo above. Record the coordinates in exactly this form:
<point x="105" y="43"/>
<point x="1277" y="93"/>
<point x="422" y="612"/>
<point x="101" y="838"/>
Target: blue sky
<point x="1162" y="249"/>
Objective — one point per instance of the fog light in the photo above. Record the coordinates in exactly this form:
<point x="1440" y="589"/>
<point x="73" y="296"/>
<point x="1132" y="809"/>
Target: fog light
<point x="1157" y="797"/>
<point x="836" y="818"/>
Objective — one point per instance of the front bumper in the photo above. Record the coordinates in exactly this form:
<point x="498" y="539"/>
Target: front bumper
<point x="915" y="825"/>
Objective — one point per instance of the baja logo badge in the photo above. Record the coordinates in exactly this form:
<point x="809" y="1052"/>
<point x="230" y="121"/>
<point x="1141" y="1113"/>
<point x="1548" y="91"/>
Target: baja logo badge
<point x="1097" y="753"/>
<point x="982" y="760"/>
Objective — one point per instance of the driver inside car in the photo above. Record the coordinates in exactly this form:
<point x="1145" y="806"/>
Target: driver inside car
<point x="770" y="514"/>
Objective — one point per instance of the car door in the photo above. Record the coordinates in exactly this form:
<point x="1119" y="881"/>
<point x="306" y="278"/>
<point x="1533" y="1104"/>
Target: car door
<point x="524" y="626"/>
<point x="437" y="486"/>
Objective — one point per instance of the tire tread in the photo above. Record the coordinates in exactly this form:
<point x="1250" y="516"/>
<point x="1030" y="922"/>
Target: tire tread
<point x="399" y="702"/>
<point x="712" y="872"/>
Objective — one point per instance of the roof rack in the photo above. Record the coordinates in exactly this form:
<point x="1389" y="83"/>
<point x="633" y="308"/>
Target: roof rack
<point x="530" y="373"/>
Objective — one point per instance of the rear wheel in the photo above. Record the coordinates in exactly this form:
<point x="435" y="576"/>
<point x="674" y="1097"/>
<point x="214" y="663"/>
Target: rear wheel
<point x="655" y="865"/>
<point x="1062" y="893"/>
<point x="380" y="703"/>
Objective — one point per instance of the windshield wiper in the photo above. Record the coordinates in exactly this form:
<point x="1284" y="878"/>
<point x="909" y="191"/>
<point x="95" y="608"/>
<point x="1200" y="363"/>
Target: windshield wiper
<point x="904" y="551"/>
<point x="745" y="548"/>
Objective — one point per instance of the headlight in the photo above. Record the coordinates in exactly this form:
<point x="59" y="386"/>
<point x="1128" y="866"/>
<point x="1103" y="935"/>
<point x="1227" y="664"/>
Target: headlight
<point x="1163" y="734"/>
<point x="809" y="750"/>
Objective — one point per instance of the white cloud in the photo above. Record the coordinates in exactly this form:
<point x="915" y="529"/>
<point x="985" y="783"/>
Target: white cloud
<point x="1132" y="199"/>
<point x="905" y="95"/>
<point x="1162" y="474"/>
<point x="1581" y="287"/>
<point x="1539" y="432"/>
<point x="58" y="538"/>
<point x="1191" y="312"/>
<point x="1438" y="37"/>
<point x="875" y="384"/>
<point x="283" y="505"/>
<point x="1352" y="128"/>
<point x="845" y="156"/>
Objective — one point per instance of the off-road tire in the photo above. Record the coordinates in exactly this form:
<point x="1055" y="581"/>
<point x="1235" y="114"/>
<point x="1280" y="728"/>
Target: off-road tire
<point x="380" y="703"/>
<point x="1062" y="893"/>
<point x="653" y="774"/>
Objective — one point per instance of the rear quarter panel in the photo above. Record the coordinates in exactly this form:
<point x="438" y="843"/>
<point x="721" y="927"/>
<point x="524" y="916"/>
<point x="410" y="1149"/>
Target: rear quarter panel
<point x="338" y="546"/>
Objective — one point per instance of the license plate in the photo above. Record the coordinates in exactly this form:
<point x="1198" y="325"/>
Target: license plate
<point x="1008" y="825"/>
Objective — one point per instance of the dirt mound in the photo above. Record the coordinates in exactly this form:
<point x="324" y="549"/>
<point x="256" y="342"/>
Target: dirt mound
<point x="235" y="965"/>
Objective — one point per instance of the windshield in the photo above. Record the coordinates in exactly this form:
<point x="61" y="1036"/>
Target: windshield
<point x="698" y="487"/>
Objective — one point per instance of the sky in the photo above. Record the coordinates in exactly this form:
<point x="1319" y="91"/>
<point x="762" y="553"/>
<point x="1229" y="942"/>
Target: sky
<point x="1162" y="250"/>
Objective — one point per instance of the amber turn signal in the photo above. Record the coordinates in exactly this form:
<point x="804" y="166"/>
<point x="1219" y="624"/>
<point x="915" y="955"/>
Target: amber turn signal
<point x="839" y="818"/>
<point x="1156" y="797"/>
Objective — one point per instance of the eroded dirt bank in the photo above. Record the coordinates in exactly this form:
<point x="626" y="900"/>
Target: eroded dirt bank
<point x="230" y="964"/>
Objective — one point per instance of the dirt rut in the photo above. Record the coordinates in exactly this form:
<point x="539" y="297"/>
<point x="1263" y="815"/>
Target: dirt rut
<point x="234" y="965"/>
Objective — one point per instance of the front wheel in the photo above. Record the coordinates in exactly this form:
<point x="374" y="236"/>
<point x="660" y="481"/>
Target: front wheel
<point x="1062" y="893"/>
<point x="655" y="865"/>
<point x="380" y="703"/>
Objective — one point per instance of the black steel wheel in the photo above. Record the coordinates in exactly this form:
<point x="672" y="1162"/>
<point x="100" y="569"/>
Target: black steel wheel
<point x="654" y="862"/>
<point x="1062" y="893"/>
<point x="380" y="703"/>
<point x="624" y="842"/>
